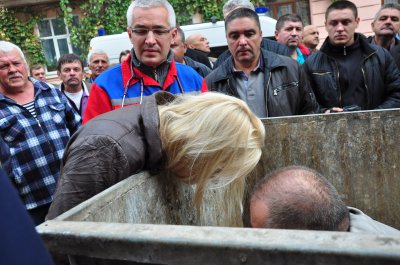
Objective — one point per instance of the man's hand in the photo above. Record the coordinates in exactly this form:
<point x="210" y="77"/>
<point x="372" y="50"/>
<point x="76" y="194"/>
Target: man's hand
<point x="333" y="110"/>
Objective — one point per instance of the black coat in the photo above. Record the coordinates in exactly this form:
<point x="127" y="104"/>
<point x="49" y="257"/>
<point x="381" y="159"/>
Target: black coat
<point x="287" y="89"/>
<point x="381" y="77"/>
<point x="394" y="51"/>
<point x="198" y="56"/>
<point x="198" y="67"/>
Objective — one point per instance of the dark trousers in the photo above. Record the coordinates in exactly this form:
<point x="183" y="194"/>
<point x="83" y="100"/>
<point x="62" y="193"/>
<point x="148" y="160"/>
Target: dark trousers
<point x="38" y="214"/>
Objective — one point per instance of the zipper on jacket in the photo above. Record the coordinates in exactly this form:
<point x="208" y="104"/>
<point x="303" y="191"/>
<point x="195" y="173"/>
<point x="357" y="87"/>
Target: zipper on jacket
<point x="365" y="83"/>
<point x="283" y="87"/>
<point x="344" y="51"/>
<point x="339" y="91"/>
<point x="324" y="73"/>
<point x="266" y="94"/>
<point x="155" y="75"/>
<point x="231" y="91"/>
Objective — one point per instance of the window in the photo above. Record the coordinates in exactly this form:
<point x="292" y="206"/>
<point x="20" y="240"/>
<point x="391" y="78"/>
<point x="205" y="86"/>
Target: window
<point x="278" y="8"/>
<point x="54" y="37"/>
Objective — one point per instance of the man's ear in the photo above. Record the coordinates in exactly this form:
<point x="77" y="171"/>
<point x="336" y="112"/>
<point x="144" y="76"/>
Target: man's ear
<point x="58" y="74"/>
<point x="128" y="29"/>
<point x="174" y="33"/>
<point x="276" y="35"/>
<point x="357" y="21"/>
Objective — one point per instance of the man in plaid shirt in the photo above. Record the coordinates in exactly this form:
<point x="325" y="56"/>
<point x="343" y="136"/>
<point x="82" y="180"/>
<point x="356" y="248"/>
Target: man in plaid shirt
<point x="36" y="122"/>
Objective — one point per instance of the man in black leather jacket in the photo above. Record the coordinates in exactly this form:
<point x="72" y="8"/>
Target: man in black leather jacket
<point x="348" y="73"/>
<point x="272" y="85"/>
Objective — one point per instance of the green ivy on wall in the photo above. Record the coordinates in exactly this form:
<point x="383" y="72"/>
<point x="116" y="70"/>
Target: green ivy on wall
<point x="21" y="33"/>
<point x="109" y="15"/>
<point x="184" y="9"/>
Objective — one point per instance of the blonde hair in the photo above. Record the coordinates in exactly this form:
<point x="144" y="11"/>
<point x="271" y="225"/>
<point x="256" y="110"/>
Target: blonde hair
<point x="214" y="137"/>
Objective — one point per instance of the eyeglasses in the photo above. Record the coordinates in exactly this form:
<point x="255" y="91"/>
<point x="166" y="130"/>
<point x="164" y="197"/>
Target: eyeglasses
<point x="158" y="33"/>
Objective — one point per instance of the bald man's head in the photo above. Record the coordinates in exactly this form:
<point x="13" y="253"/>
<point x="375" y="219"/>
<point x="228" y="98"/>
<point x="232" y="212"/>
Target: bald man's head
<point x="297" y="198"/>
<point x="311" y="37"/>
<point x="199" y="42"/>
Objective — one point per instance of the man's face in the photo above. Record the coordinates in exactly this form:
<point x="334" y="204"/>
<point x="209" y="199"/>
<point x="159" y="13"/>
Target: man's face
<point x="98" y="64"/>
<point x="179" y="49"/>
<point x="311" y="36"/>
<point x="152" y="35"/>
<point x="387" y="23"/>
<point x="39" y="74"/>
<point x="200" y="43"/>
<point x="341" y="25"/>
<point x="13" y="72"/>
<point x="290" y="34"/>
<point x="244" y="40"/>
<point x="71" y="74"/>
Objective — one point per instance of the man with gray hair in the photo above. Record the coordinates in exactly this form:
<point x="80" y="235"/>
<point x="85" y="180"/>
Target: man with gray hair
<point x="386" y="25"/>
<point x="98" y="62"/>
<point x="266" y="44"/>
<point x="36" y="123"/>
<point x="150" y="67"/>
<point x="298" y="197"/>
<point x="231" y="5"/>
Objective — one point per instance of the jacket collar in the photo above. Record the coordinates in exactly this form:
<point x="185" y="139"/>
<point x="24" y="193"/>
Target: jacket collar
<point x="84" y="87"/>
<point x="38" y="86"/>
<point x="133" y="75"/>
<point x="269" y="62"/>
<point x="365" y="46"/>
<point x="151" y="123"/>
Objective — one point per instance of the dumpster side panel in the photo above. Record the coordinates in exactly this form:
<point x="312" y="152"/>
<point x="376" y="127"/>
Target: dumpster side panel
<point x="357" y="152"/>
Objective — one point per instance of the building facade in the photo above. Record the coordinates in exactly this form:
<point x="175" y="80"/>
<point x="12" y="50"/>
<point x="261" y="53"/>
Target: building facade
<point x="55" y="37"/>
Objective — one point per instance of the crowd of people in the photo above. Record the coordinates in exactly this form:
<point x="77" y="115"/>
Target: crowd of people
<point x="167" y="106"/>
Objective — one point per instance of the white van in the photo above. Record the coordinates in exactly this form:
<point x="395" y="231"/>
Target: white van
<point x="214" y="32"/>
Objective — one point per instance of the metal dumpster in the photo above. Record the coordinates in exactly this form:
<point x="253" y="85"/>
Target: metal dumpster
<point x="358" y="152"/>
<point x="150" y="219"/>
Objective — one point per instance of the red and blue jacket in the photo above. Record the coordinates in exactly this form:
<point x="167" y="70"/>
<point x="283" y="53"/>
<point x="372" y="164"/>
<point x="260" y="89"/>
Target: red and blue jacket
<point x="125" y="85"/>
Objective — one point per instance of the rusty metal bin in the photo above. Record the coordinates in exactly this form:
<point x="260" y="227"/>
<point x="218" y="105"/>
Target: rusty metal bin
<point x="151" y="220"/>
<point x="358" y="152"/>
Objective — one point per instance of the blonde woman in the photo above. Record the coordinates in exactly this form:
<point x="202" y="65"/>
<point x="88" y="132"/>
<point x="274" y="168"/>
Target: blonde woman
<point x="203" y="139"/>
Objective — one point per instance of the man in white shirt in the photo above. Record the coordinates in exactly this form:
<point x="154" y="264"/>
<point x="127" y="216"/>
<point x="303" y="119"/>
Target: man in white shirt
<point x="70" y="71"/>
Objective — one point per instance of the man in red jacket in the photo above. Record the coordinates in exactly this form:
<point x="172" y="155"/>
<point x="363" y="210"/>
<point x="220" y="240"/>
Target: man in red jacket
<point x="149" y="68"/>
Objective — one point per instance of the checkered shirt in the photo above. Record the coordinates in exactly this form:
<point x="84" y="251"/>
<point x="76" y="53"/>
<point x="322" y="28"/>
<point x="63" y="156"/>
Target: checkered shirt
<point x="37" y="145"/>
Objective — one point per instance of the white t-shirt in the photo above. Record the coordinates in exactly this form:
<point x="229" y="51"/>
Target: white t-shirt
<point x="75" y="97"/>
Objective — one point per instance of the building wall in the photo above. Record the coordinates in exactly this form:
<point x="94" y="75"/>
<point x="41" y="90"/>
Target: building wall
<point x="366" y="12"/>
